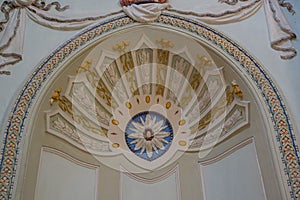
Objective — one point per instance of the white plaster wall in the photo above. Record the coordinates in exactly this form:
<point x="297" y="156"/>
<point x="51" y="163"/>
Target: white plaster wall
<point x="235" y="177"/>
<point x="61" y="179"/>
<point x="132" y="189"/>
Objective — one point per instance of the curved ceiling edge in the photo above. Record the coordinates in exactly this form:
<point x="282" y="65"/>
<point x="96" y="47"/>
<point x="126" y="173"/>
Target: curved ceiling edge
<point x="18" y="117"/>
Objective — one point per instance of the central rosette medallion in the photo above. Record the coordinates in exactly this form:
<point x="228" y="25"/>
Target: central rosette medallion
<point x="148" y="130"/>
<point x="149" y="135"/>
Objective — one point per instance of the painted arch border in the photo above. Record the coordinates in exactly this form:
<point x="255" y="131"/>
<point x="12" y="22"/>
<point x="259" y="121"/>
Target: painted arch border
<point x="13" y="132"/>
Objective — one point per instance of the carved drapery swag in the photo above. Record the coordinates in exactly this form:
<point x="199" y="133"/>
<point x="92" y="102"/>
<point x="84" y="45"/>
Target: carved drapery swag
<point x="13" y="25"/>
<point x="229" y="11"/>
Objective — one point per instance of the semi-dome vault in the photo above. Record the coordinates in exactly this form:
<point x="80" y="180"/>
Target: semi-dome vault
<point x="147" y="97"/>
<point x="140" y="97"/>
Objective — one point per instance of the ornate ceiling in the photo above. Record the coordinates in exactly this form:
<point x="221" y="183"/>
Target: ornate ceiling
<point x="147" y="97"/>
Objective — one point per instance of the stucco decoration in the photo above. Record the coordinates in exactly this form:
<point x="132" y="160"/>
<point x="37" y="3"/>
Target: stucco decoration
<point x="18" y="120"/>
<point x="149" y="135"/>
<point x="15" y="11"/>
<point x="127" y="103"/>
<point x="130" y="2"/>
<point x="145" y="12"/>
<point x="280" y="32"/>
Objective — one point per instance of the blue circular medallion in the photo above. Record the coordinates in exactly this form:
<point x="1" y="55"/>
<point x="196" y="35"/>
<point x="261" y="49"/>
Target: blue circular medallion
<point x="149" y="135"/>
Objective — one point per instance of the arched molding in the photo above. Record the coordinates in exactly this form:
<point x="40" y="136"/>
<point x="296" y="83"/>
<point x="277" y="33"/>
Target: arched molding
<point x="277" y="119"/>
<point x="167" y="174"/>
<point x="226" y="153"/>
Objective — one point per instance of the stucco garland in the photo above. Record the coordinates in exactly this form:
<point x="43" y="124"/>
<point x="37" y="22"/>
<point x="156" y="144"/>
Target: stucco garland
<point x="18" y="117"/>
<point x="15" y="11"/>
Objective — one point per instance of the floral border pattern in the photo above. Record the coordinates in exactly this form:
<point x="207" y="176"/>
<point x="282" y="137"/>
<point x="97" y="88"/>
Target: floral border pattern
<point x="16" y="123"/>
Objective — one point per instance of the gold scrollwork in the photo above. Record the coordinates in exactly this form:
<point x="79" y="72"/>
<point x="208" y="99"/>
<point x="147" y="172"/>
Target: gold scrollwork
<point x="231" y="93"/>
<point x="212" y="115"/>
<point x="95" y="81"/>
<point x="103" y="93"/>
<point x="121" y="46"/>
<point x="160" y="90"/>
<point x="90" y="74"/>
<point x="63" y="102"/>
<point x="235" y="90"/>
<point x="165" y="43"/>
<point x="127" y="61"/>
<point x="66" y="106"/>
<point x="204" y="61"/>
<point x="163" y="56"/>
<point x="205" y="121"/>
<point x="195" y="81"/>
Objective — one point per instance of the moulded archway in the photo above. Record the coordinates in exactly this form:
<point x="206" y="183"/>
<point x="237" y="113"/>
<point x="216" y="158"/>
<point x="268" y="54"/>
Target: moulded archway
<point x="217" y="48"/>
